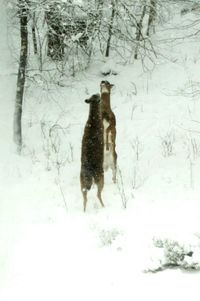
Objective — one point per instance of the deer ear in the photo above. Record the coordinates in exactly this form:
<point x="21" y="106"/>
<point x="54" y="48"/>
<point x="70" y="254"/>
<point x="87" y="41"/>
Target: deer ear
<point x="112" y="86"/>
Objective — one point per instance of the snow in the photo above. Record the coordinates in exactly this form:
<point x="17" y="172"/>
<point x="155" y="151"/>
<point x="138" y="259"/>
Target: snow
<point x="49" y="248"/>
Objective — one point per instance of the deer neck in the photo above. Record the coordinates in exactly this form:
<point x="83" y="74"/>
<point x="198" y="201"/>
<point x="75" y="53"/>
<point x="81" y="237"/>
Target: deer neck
<point x="105" y="102"/>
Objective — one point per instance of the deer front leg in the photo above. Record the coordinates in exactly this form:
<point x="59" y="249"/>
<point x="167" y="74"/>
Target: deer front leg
<point x="107" y="145"/>
<point x="108" y="130"/>
<point x="114" y="155"/>
<point x="114" y="165"/>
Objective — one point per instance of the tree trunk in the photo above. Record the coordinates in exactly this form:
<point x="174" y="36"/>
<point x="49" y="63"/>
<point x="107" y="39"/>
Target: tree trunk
<point x="139" y="31"/>
<point x="23" y="11"/>
<point x="110" y="29"/>
<point x="152" y="16"/>
<point x="34" y="35"/>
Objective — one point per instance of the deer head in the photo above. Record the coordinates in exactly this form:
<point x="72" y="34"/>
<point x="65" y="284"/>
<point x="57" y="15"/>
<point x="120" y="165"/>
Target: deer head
<point x="105" y="87"/>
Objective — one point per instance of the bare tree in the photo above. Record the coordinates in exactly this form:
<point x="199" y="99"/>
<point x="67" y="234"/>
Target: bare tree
<point x="34" y="33"/>
<point x="110" y="28"/>
<point x="55" y="34"/>
<point x="23" y="9"/>
<point x="139" y="35"/>
<point x="152" y="16"/>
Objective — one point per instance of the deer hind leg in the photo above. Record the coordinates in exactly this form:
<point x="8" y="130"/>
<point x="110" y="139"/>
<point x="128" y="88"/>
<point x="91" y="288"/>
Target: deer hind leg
<point x="86" y="183"/>
<point x="84" y="192"/>
<point x="100" y="183"/>
<point x="114" y="172"/>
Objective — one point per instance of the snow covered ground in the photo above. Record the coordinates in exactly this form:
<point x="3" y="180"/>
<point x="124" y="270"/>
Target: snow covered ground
<point x="50" y="249"/>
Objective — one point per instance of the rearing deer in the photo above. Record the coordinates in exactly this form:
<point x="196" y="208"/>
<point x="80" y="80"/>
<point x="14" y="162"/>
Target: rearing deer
<point x="92" y="151"/>
<point x="109" y="124"/>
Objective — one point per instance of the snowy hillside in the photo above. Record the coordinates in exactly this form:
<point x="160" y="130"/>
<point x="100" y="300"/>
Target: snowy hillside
<point x="49" y="248"/>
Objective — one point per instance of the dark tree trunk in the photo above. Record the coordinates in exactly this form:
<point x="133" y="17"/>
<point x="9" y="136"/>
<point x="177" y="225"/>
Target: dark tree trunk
<point x="152" y="16"/>
<point x="55" y="36"/>
<point x="23" y="11"/>
<point x="139" y="31"/>
<point x="110" y="29"/>
<point x="34" y="35"/>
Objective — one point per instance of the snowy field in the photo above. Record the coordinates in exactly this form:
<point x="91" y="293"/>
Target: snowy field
<point x="51" y="250"/>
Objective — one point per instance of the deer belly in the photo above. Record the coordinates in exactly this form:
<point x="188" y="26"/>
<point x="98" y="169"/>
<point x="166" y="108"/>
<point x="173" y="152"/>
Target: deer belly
<point x="108" y="153"/>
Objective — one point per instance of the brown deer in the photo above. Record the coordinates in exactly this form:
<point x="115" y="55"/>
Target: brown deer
<point x="109" y="124"/>
<point x="92" y="151"/>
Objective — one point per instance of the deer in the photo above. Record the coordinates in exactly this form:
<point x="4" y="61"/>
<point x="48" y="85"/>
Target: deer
<point x="109" y="126"/>
<point x="92" y="151"/>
